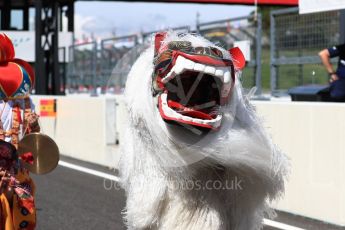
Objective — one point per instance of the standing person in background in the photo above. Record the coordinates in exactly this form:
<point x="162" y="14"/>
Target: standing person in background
<point x="337" y="78"/>
<point x="17" y="119"/>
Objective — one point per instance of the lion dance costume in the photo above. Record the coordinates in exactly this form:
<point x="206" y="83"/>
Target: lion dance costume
<point x="17" y="119"/>
<point x="195" y="155"/>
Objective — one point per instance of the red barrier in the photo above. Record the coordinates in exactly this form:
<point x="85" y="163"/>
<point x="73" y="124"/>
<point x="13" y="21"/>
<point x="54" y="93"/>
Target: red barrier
<point x="244" y="2"/>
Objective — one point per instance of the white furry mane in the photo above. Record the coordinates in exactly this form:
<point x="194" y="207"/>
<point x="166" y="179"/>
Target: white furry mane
<point x="154" y="153"/>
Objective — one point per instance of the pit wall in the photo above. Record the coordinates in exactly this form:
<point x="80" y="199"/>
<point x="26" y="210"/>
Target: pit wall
<point x="85" y="128"/>
<point x="311" y="134"/>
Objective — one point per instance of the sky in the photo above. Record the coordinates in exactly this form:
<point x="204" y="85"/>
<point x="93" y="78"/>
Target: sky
<point x="105" y="19"/>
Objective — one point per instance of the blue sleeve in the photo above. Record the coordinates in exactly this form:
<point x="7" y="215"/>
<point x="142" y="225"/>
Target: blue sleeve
<point x="335" y="51"/>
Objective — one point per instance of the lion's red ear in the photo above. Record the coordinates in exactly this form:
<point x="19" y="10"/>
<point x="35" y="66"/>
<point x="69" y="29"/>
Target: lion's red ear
<point x="159" y="37"/>
<point x="237" y="58"/>
<point x="6" y="48"/>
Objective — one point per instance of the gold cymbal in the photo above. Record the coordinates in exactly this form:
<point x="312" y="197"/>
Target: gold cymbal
<point x="44" y="150"/>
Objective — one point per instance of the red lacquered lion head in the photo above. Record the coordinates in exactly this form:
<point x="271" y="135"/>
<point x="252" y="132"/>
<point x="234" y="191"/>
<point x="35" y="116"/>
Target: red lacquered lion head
<point x="193" y="81"/>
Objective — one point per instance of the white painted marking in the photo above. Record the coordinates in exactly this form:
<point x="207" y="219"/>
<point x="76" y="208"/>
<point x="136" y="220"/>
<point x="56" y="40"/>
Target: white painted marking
<point x="89" y="171"/>
<point x="267" y="222"/>
<point x="281" y="226"/>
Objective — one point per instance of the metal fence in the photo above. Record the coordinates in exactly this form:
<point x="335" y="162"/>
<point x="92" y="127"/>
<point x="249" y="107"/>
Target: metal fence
<point x="105" y="65"/>
<point x="118" y="76"/>
<point x="146" y="36"/>
<point x="295" y="42"/>
<point x="111" y="54"/>
<point x="81" y="75"/>
<point x="227" y="32"/>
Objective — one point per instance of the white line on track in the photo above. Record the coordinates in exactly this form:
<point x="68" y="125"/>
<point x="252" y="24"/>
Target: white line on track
<point x="267" y="222"/>
<point x="279" y="225"/>
<point x="89" y="171"/>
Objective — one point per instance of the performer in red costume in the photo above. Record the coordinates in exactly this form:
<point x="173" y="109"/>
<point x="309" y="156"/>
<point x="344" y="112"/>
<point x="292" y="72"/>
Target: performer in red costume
<point x="17" y="119"/>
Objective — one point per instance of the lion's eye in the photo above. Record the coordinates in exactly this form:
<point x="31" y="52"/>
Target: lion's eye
<point x="207" y="51"/>
<point x="216" y="52"/>
<point x="180" y="45"/>
<point x="162" y="61"/>
<point x="199" y="50"/>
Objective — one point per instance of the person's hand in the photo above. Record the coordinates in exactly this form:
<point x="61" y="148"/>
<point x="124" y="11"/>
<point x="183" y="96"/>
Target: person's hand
<point x="334" y="77"/>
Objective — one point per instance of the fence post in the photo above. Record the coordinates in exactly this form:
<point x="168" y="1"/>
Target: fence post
<point x="136" y="41"/>
<point x="73" y="67"/>
<point x="94" y="73"/>
<point x="103" y="67"/>
<point x="342" y="26"/>
<point x="70" y="69"/>
<point x="40" y="70"/>
<point x="64" y="69"/>
<point x="197" y="24"/>
<point x="273" y="69"/>
<point x="258" y="79"/>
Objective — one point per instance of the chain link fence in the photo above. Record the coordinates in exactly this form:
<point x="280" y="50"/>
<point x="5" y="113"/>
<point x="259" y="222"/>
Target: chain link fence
<point x="295" y="42"/>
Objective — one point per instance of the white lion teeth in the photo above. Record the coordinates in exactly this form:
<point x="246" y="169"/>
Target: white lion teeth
<point x="183" y="64"/>
<point x="179" y="65"/>
<point x="187" y="118"/>
<point x="179" y="116"/>
<point x="173" y="114"/>
<point x="189" y="64"/>
<point x="219" y="73"/>
<point x="169" y="76"/>
<point x="210" y="70"/>
<point x="218" y="120"/>
<point x="227" y="77"/>
<point x="199" y="67"/>
<point x="196" y="120"/>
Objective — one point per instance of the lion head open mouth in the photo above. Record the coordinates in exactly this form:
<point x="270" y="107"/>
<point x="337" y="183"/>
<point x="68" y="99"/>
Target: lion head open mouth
<point x="198" y="96"/>
<point x="192" y="83"/>
<point x="193" y="93"/>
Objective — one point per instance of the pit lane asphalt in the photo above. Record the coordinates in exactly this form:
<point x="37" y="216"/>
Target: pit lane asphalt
<point x="67" y="199"/>
<point x="71" y="200"/>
